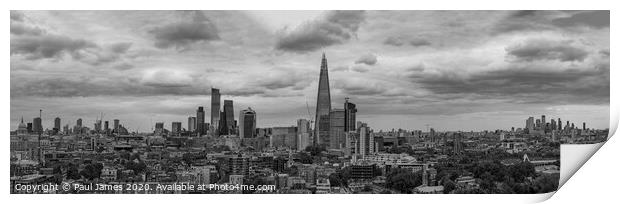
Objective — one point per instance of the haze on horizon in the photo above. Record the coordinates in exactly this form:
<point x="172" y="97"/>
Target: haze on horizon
<point x="452" y="70"/>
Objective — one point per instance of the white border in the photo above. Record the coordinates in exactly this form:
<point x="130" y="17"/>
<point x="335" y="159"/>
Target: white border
<point x="316" y="5"/>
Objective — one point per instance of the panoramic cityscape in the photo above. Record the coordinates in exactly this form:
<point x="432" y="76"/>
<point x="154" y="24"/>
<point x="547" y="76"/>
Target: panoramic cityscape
<point x="225" y="132"/>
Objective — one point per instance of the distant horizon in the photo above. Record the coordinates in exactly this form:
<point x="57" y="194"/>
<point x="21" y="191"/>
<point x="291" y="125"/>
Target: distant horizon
<point x="450" y="70"/>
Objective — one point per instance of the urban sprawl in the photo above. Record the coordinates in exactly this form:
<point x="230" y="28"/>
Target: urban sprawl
<point x="331" y="152"/>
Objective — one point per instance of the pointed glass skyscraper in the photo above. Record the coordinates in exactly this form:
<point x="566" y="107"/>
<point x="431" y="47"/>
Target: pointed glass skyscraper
<point x="323" y="107"/>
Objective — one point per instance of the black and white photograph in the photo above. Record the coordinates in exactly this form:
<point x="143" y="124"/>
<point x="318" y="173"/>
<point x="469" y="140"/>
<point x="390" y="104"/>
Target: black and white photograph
<point x="303" y="101"/>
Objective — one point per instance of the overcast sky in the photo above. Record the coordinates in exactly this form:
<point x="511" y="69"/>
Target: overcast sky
<point x="452" y="70"/>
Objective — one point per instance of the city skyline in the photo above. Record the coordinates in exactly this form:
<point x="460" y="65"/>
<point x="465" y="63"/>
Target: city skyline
<point x="162" y="71"/>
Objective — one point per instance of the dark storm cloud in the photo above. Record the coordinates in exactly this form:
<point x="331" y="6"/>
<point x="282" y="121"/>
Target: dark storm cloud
<point x="523" y="13"/>
<point x="335" y="27"/>
<point x="85" y="86"/>
<point x="525" y="84"/>
<point x="394" y="41"/>
<point x="17" y="16"/>
<point x="48" y="46"/>
<point x="527" y="20"/>
<point x="21" y="29"/>
<point x="604" y="52"/>
<point x="182" y="34"/>
<point x="419" y="42"/>
<point x="368" y="59"/>
<point x="120" y="47"/>
<point x="594" y="19"/>
<point x="35" y="43"/>
<point x="539" y="49"/>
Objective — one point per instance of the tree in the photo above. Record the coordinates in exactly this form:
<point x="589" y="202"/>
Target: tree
<point x="546" y="183"/>
<point x="448" y="185"/>
<point x="403" y="180"/>
<point x="92" y="171"/>
<point x="315" y="150"/>
<point x="72" y="172"/>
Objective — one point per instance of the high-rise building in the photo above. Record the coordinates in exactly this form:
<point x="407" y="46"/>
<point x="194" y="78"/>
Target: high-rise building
<point x="37" y="127"/>
<point x="304" y="134"/>
<point x="323" y="107"/>
<point x="458" y="143"/>
<point x="336" y="129"/>
<point x="159" y="126"/>
<point x="529" y="124"/>
<point x="349" y="116"/>
<point x="215" y="109"/>
<point x="584" y="126"/>
<point x="191" y="123"/>
<point x="176" y="127"/>
<point x="79" y="122"/>
<point x="543" y="122"/>
<point x="106" y="126"/>
<point x="559" y="123"/>
<point x="56" y="124"/>
<point x="29" y="127"/>
<point x="247" y="123"/>
<point x="366" y="141"/>
<point x="553" y="124"/>
<point x="116" y="125"/>
<point x="229" y="122"/>
<point x="200" y="121"/>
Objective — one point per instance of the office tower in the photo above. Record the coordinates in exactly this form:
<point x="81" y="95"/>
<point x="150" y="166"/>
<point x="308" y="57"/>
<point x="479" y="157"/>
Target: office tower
<point x="559" y="123"/>
<point x="543" y="122"/>
<point x="98" y="126"/>
<point x="29" y="127"/>
<point x="567" y="126"/>
<point x="215" y="109"/>
<point x="247" y="123"/>
<point x="65" y="129"/>
<point x="434" y="139"/>
<point x="79" y="122"/>
<point x="200" y="121"/>
<point x="529" y="124"/>
<point x="303" y="134"/>
<point x="584" y="126"/>
<point x="336" y="129"/>
<point x="106" y="126"/>
<point x="37" y="126"/>
<point x="116" y="125"/>
<point x="56" y="124"/>
<point x="349" y="115"/>
<point x="191" y="123"/>
<point x="458" y="143"/>
<point x="553" y="124"/>
<point x="572" y="126"/>
<point x="538" y="125"/>
<point x="176" y="127"/>
<point x="366" y="140"/>
<point x="323" y="107"/>
<point x="229" y="122"/>
<point x="159" y="125"/>
<point x="222" y="124"/>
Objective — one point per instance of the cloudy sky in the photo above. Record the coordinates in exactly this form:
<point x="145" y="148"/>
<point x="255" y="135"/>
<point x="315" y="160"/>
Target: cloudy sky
<point x="452" y="70"/>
